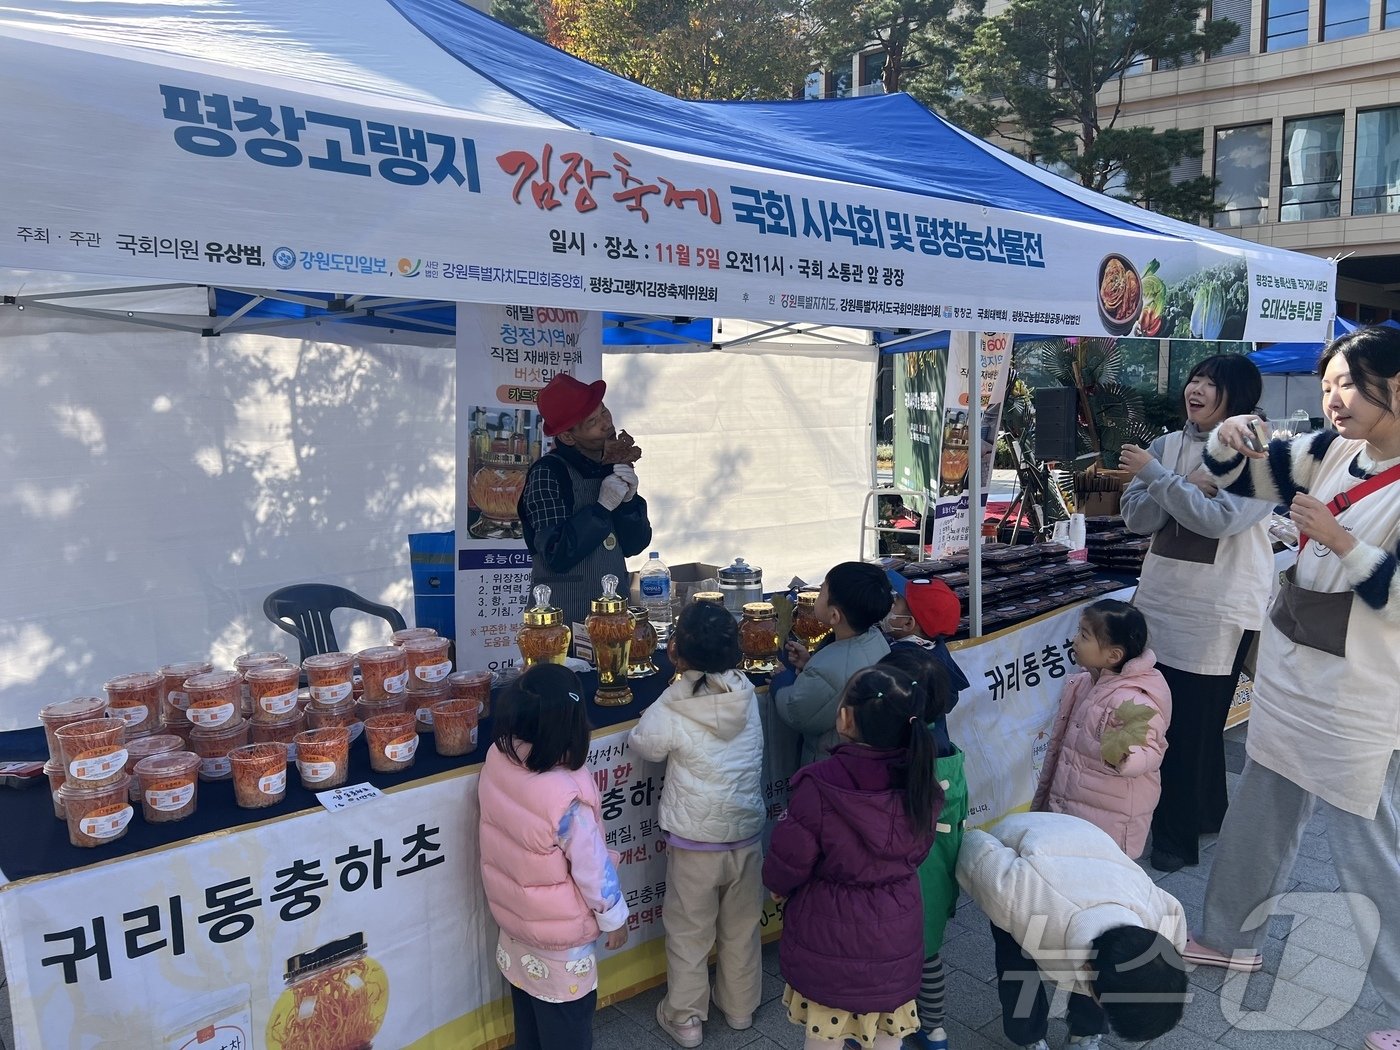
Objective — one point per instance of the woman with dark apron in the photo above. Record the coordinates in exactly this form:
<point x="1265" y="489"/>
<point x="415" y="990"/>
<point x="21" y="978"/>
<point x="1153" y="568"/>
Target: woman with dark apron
<point x="1324" y="731"/>
<point x="1204" y="590"/>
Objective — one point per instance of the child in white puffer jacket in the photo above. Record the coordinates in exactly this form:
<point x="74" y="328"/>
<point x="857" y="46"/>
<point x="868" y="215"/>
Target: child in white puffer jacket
<point x="706" y="727"/>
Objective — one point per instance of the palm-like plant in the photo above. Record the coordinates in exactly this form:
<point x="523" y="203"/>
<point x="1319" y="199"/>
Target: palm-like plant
<point x="1111" y="414"/>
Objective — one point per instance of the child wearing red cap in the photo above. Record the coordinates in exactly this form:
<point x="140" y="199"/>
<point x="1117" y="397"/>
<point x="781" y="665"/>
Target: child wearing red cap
<point x="925" y="613"/>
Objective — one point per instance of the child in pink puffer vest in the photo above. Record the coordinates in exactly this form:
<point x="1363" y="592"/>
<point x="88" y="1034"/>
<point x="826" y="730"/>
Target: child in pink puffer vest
<point x="1104" y="760"/>
<point x="550" y="880"/>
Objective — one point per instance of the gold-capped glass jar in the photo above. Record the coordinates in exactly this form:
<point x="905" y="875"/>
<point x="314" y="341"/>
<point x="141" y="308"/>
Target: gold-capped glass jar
<point x="610" y="630"/>
<point x="806" y="628"/>
<point x="545" y="637"/>
<point x="709" y="597"/>
<point x="641" y="662"/>
<point x="758" y="637"/>
<point x="336" y="995"/>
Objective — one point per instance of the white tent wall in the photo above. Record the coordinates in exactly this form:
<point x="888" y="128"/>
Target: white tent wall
<point x="761" y="451"/>
<point x="160" y="485"/>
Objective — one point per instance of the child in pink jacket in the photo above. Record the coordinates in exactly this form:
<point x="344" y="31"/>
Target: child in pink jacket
<point x="1104" y="758"/>
<point x="550" y="880"/>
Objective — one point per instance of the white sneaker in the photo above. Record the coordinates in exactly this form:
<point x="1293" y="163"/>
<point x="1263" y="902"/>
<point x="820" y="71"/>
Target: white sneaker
<point x="1086" y="1042"/>
<point x="688" y="1033"/>
<point x="1039" y="1044"/>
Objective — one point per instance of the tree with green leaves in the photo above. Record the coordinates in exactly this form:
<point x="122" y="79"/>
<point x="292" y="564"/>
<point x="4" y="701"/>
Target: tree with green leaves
<point x="917" y="40"/>
<point x="1049" y="77"/>
<point x="523" y="15"/>
<point x="694" y="49"/>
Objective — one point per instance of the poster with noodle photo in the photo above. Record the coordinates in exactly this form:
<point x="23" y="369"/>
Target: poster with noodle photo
<point x="505" y="356"/>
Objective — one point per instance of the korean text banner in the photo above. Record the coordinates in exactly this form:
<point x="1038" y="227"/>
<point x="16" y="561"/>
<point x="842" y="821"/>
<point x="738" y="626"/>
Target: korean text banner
<point x="505" y="356"/>
<point x="324" y="929"/>
<point x="192" y="171"/>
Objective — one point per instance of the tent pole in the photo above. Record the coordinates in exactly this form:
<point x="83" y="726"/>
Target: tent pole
<point x="974" y="485"/>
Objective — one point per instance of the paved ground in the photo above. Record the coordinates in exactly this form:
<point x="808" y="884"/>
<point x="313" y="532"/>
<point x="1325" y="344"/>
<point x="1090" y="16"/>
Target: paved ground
<point x="1302" y="1002"/>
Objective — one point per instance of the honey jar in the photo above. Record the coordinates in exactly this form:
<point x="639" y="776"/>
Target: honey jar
<point x="610" y="631"/>
<point x="806" y="628"/>
<point x="640" y="663"/>
<point x="758" y="638"/>
<point x="545" y="637"/>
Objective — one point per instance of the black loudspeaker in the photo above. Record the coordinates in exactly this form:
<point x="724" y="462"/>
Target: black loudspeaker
<point x="1056" y="424"/>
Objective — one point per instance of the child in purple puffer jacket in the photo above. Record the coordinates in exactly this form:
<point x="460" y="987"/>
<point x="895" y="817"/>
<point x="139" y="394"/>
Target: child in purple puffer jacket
<point x="846" y="858"/>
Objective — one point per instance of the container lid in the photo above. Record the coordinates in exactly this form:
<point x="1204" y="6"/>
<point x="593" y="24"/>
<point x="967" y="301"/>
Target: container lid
<point x="759" y="610"/>
<point x="157" y="743"/>
<point x="332" y="707"/>
<point x="329" y="661"/>
<point x="186" y="669"/>
<point x="79" y="708"/>
<point x="250" y="660"/>
<point x="273" y="672"/>
<point x="223" y="732"/>
<point x="740" y="573"/>
<point x="55" y="765"/>
<point x="299" y="965"/>
<point x="542" y="614"/>
<point x="77" y="789"/>
<point x="399" y="637"/>
<point x="808" y="597"/>
<point x="379" y="654"/>
<point x="167" y="763"/>
<point x="134" y="680"/>
<point x="213" y="680"/>
<point x="609" y="601"/>
<point x="712" y="597"/>
<point x="296" y="714"/>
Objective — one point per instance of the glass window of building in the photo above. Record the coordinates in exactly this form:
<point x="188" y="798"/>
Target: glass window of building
<point x="1344" y="18"/>
<point x="872" y="70"/>
<point x="1311" y="187"/>
<point x="1376" y="187"/>
<point x="1285" y="24"/>
<point x="1391" y="18"/>
<point x="1242" y="168"/>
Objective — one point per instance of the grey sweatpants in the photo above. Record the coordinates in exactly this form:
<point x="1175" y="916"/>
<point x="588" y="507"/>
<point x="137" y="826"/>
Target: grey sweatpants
<point x="1254" y="861"/>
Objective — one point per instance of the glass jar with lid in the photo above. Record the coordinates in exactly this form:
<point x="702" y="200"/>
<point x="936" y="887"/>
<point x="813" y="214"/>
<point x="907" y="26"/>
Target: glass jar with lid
<point x="610" y="631"/>
<point x="758" y="638"/>
<point x="806" y="628"/>
<point x="640" y="663"/>
<point x="740" y="583"/>
<point x="336" y="995"/>
<point x="545" y="637"/>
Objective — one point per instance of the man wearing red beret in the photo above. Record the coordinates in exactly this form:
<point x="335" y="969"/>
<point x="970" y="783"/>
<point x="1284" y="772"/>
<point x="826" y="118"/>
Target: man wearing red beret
<point x="581" y="517"/>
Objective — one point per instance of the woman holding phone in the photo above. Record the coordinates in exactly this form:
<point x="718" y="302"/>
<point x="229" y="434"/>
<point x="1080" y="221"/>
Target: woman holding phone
<point x="1324" y="731"/>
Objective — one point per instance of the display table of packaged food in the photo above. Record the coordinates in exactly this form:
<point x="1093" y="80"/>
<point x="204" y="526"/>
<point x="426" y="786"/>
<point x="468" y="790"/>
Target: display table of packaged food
<point x="263" y="905"/>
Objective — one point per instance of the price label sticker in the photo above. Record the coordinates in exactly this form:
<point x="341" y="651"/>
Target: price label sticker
<point x="350" y="795"/>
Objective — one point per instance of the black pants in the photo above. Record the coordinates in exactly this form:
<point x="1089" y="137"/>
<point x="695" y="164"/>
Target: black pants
<point x="1025" y="1010"/>
<point x="553" y="1026"/>
<point x="1193" y="769"/>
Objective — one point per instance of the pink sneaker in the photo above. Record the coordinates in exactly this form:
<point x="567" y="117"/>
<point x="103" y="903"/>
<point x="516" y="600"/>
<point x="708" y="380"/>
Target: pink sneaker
<point x="1242" y="960"/>
<point x="1386" y="1040"/>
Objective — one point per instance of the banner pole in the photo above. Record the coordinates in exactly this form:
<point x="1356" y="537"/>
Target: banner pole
<point x="974" y="484"/>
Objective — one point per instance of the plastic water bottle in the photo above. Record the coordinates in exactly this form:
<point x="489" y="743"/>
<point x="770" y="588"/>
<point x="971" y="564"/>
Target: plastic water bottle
<point x="655" y="584"/>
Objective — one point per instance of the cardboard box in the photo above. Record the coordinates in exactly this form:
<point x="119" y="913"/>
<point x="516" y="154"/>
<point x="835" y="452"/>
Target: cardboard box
<point x="685" y="581"/>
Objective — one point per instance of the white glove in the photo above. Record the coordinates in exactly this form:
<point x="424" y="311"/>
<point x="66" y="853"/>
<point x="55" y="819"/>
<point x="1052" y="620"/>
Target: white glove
<point x="613" y="492"/>
<point x="627" y="474"/>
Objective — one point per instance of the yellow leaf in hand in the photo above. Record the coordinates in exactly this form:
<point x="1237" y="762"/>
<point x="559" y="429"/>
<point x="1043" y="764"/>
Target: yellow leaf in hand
<point x="1127" y="728"/>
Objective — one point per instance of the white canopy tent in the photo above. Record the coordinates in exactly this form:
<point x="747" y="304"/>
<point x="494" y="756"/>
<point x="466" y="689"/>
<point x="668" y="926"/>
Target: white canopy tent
<point x="385" y="151"/>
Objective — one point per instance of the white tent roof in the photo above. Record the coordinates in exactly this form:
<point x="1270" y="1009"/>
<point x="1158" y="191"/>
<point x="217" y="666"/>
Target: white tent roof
<point x="418" y="149"/>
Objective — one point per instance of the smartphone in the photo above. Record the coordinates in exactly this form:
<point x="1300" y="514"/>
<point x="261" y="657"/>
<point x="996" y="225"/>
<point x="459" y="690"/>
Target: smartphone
<point x="1253" y="438"/>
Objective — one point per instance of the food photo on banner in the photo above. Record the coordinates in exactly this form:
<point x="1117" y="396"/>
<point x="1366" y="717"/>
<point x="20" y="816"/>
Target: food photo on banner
<point x="506" y="355"/>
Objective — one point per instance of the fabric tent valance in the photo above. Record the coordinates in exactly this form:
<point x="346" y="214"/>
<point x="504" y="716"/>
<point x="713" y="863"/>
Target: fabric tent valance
<point x="417" y="149"/>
